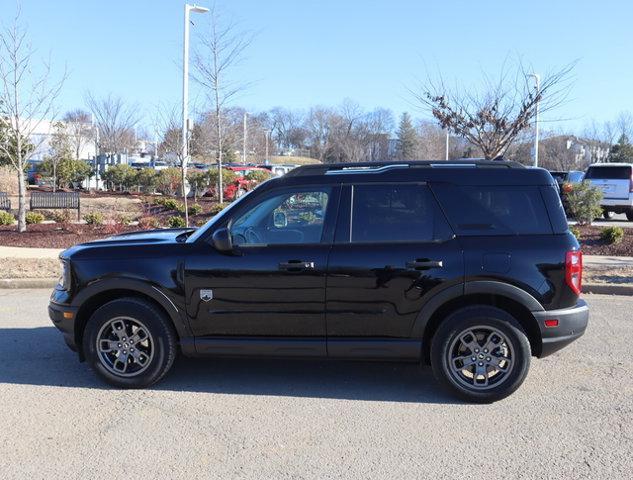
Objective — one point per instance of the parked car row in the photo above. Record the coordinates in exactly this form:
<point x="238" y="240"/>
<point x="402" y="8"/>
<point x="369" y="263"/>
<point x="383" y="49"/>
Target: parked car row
<point x="614" y="179"/>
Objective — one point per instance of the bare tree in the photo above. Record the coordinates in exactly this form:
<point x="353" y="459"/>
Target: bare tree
<point x="168" y="124"/>
<point x="221" y="50"/>
<point x="115" y="121"/>
<point x="493" y="118"/>
<point x="79" y="128"/>
<point x="26" y="104"/>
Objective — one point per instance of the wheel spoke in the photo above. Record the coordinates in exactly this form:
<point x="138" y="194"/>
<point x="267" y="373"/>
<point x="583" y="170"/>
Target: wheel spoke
<point x="492" y="342"/>
<point x="469" y="340"/>
<point x="464" y="362"/>
<point x="120" y="364"/>
<point x="481" y="370"/>
<point x="108" y="346"/>
<point x="140" y="357"/>
<point x="140" y="335"/>
<point x="496" y="362"/>
<point x="118" y="327"/>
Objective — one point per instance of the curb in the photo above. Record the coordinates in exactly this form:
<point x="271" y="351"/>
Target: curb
<point x="15" y="283"/>
<point x="607" y="289"/>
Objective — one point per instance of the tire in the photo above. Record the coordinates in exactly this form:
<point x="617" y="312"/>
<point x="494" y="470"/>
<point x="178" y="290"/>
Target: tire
<point x="135" y="330"/>
<point x="512" y="354"/>
<point x="629" y="216"/>
<point x="608" y="215"/>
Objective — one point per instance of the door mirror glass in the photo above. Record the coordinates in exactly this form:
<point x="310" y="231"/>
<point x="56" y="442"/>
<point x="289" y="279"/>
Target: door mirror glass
<point x="222" y="240"/>
<point x="280" y="220"/>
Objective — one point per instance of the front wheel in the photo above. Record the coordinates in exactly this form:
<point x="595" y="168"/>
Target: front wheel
<point x="480" y="353"/>
<point x="629" y="216"/>
<point x="607" y="214"/>
<point x="129" y="343"/>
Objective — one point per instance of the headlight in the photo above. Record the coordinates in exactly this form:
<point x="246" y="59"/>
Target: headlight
<point x="64" y="280"/>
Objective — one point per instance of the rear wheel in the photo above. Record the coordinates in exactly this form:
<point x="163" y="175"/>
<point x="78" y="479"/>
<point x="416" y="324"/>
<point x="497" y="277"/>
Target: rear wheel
<point x="608" y="215"/>
<point x="629" y="215"/>
<point x="129" y="343"/>
<point x="481" y="354"/>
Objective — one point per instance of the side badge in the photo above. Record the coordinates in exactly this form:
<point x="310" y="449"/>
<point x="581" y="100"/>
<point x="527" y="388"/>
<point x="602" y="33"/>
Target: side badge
<point x="206" y="295"/>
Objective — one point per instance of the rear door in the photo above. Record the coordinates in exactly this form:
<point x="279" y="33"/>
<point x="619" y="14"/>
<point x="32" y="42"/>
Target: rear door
<point x="393" y="251"/>
<point x="613" y="180"/>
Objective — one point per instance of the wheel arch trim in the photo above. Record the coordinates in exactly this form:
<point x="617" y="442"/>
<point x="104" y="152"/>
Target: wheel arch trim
<point x="472" y="288"/>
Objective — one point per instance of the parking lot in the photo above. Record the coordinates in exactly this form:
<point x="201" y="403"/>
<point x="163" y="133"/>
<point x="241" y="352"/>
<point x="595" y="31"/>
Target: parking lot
<point x="573" y="418"/>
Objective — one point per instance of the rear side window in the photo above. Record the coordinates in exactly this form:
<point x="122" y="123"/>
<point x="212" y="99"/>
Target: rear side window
<point x="494" y="210"/>
<point x="396" y="213"/>
<point x="605" y="173"/>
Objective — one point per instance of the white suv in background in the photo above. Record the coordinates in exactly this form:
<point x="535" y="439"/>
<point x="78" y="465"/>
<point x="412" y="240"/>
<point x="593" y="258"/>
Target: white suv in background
<point x="616" y="182"/>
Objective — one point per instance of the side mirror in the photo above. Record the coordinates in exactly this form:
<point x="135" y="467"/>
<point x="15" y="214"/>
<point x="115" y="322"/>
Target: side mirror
<point x="280" y="220"/>
<point x="222" y="240"/>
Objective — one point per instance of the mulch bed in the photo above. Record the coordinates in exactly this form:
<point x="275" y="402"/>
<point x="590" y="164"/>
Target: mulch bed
<point x="55" y="235"/>
<point x="592" y="244"/>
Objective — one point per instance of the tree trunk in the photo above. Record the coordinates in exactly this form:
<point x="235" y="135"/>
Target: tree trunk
<point x="21" y="201"/>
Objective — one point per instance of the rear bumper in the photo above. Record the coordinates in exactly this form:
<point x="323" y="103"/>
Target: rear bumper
<point x="625" y="203"/>
<point x="572" y="323"/>
<point x="63" y="317"/>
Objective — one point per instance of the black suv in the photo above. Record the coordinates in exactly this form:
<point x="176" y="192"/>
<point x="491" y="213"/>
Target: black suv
<point x="468" y="266"/>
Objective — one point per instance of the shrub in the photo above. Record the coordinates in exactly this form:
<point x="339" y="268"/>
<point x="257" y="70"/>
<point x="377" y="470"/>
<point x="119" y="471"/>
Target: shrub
<point x="94" y="218"/>
<point x="216" y="208"/>
<point x="34" y="217"/>
<point x="173" y="204"/>
<point x="6" y="218"/>
<point x="612" y="235"/>
<point x="258" y="176"/>
<point x="147" y="178"/>
<point x="575" y="231"/>
<point x="148" y="223"/>
<point x="176" y="222"/>
<point x="122" y="219"/>
<point x="195" y="209"/>
<point x="169" y="181"/>
<point x="119" y="176"/>
<point x="61" y="216"/>
<point x="584" y="203"/>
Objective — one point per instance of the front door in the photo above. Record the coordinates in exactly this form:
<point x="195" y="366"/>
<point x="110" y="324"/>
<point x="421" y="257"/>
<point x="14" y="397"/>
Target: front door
<point x="392" y="252"/>
<point x="273" y="283"/>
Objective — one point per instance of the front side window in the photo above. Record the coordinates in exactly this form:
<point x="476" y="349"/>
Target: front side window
<point x="286" y="218"/>
<point x="396" y="213"/>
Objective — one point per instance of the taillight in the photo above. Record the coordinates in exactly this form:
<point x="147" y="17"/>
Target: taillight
<point x="573" y="270"/>
<point x="631" y="183"/>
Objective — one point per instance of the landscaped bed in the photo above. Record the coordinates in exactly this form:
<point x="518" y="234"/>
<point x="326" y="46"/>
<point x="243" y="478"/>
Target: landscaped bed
<point x="592" y="243"/>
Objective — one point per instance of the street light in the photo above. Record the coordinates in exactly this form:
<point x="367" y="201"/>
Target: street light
<point x="185" y="99"/>
<point x="537" y="79"/>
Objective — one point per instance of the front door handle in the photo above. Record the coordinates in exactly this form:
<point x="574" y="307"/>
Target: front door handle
<point x="423" y="264"/>
<point x="296" y="266"/>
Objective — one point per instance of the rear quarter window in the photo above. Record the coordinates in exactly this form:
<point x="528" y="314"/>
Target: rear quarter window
<point x="494" y="210"/>
<point x="606" y="173"/>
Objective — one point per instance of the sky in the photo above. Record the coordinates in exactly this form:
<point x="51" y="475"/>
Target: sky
<point x="308" y="52"/>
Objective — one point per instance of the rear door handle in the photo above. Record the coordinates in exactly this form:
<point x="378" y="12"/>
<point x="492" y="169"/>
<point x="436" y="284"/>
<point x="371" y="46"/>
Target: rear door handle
<point x="296" y="266"/>
<point x="423" y="264"/>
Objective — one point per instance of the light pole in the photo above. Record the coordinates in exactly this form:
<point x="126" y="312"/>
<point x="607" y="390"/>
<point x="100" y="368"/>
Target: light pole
<point x="267" y="133"/>
<point x="537" y="79"/>
<point x="185" y="100"/>
<point x="447" y="142"/>
<point x="244" y="141"/>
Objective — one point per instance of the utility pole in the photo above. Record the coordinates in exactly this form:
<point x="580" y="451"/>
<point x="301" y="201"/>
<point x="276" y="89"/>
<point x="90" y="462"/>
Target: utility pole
<point x="267" y="133"/>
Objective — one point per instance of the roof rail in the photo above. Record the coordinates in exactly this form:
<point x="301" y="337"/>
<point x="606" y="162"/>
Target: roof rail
<point x="381" y="167"/>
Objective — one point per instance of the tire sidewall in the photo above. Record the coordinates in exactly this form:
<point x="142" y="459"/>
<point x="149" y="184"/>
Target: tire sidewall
<point x="476" y="316"/>
<point x="154" y="321"/>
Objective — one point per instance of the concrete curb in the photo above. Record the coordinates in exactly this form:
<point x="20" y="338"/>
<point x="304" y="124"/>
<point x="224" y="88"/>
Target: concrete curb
<point x="15" y="283"/>
<point x="607" y="288"/>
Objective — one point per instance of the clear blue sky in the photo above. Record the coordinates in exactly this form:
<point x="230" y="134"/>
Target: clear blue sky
<point x="319" y="52"/>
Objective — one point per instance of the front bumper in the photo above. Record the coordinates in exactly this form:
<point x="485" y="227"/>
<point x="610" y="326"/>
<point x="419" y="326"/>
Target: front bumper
<point x="63" y="317"/>
<point x="572" y="323"/>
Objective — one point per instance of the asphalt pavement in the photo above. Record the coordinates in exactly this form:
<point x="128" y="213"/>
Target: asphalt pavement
<point x="572" y="418"/>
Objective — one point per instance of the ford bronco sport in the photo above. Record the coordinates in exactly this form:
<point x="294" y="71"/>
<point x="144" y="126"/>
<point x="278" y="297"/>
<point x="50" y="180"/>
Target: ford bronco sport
<point x="466" y="265"/>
